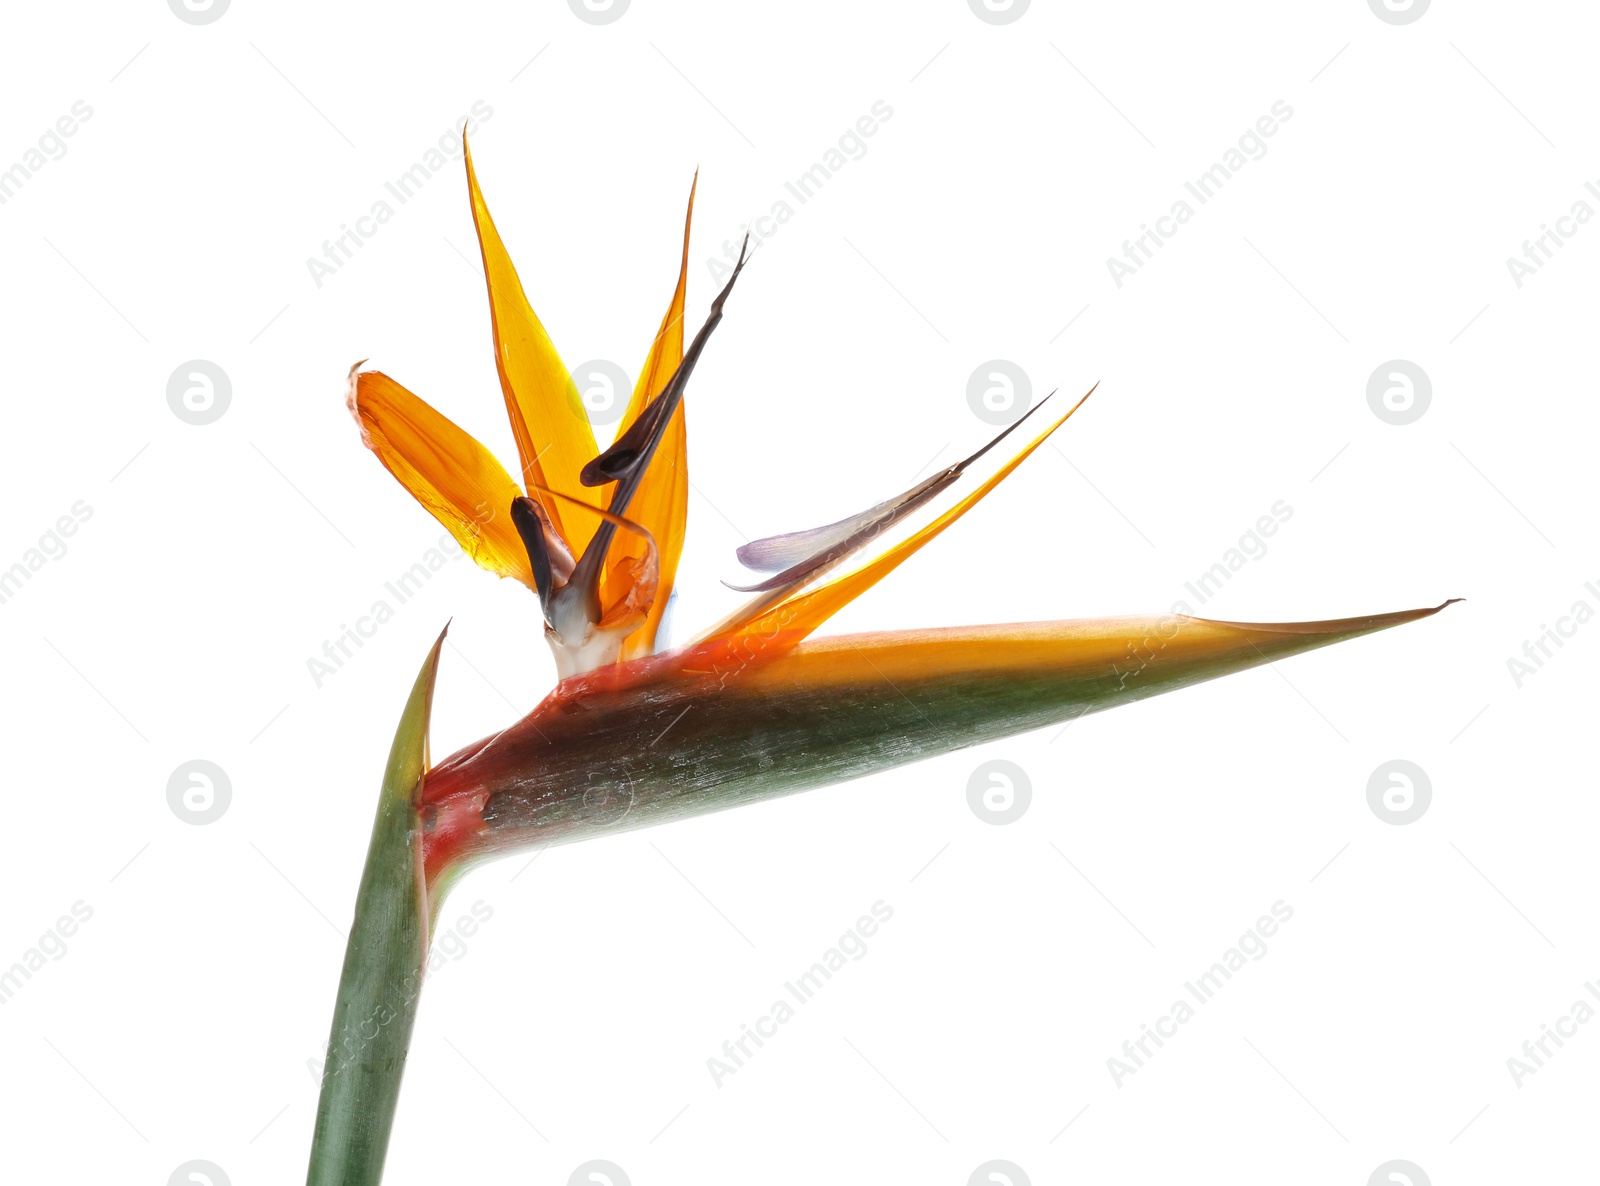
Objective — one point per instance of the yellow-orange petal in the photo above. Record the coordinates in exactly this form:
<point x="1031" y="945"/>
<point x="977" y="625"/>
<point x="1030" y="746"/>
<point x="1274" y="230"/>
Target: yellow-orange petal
<point x="785" y="623"/>
<point x="661" y="504"/>
<point x="455" y="478"/>
<point x="554" y="440"/>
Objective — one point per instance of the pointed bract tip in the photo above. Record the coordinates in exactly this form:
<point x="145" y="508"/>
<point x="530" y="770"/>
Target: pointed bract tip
<point x="414" y="723"/>
<point x="1425" y="611"/>
<point x="432" y="665"/>
<point x="1334" y="626"/>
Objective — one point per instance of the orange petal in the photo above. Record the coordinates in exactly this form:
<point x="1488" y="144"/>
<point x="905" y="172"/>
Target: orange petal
<point x="552" y="430"/>
<point x="782" y="623"/>
<point x="661" y="504"/>
<point x="455" y="478"/>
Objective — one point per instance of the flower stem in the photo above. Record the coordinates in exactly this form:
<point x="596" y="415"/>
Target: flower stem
<point x="384" y="964"/>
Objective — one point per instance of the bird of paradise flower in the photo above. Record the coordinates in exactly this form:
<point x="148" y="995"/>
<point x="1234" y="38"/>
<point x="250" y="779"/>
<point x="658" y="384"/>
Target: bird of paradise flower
<point x="633" y="736"/>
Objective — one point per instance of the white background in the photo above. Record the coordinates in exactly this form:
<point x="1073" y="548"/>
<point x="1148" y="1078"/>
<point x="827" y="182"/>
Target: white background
<point x="179" y="1023"/>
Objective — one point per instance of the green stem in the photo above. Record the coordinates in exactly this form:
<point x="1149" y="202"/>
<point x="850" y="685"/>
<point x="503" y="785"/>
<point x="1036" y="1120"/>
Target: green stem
<point x="384" y="963"/>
